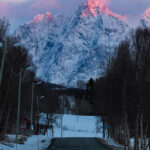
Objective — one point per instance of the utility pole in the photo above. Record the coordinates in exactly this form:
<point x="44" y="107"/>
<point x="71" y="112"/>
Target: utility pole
<point x="32" y="96"/>
<point x="37" y="102"/>
<point x="18" y="111"/>
<point x="62" y="116"/>
<point x="77" y="113"/>
<point x="37" y="126"/>
<point x="3" y="61"/>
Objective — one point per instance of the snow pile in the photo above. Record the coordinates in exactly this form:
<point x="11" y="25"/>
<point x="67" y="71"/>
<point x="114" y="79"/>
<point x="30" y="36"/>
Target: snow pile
<point x="35" y="142"/>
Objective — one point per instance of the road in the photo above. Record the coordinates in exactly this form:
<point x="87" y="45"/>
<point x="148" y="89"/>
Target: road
<point x="77" y="144"/>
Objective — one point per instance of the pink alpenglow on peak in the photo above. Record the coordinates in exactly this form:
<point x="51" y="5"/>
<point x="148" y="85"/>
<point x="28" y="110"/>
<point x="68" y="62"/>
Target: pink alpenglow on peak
<point x="48" y="16"/>
<point x="42" y="18"/>
<point x="38" y="18"/>
<point x="97" y="7"/>
<point x="147" y="13"/>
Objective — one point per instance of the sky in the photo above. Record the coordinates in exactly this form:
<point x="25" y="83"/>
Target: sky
<point x="21" y="11"/>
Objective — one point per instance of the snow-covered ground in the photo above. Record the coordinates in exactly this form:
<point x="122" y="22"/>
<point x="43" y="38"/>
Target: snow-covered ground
<point x="77" y="126"/>
<point x="36" y="142"/>
<point x="72" y="125"/>
<point x="132" y="143"/>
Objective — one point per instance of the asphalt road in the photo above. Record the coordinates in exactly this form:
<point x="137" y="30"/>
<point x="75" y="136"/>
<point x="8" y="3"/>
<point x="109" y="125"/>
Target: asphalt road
<point x="77" y="144"/>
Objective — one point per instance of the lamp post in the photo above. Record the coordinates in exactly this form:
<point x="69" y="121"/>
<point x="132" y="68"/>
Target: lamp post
<point x="62" y="101"/>
<point x="32" y="97"/>
<point x="19" y="98"/>
<point x="18" y="110"/>
<point x="37" y="115"/>
<point x="37" y="102"/>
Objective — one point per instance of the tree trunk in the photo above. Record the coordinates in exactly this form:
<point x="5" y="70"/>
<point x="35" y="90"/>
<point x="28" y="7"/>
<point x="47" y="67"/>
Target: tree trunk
<point x="129" y="148"/>
<point x="141" y="125"/>
<point x="125" y="131"/>
<point x="104" y="129"/>
<point x="136" y="140"/>
<point x="120" y="134"/>
<point x="6" y="99"/>
<point x="8" y="115"/>
<point x="115" y="133"/>
<point x="145" y="141"/>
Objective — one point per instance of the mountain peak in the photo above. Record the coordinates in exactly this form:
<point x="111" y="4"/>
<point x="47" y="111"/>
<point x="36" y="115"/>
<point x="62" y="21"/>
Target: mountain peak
<point x="98" y="7"/>
<point x="42" y="17"/>
<point x="147" y="13"/>
<point x="38" y="18"/>
<point x="48" y="16"/>
<point x="67" y="50"/>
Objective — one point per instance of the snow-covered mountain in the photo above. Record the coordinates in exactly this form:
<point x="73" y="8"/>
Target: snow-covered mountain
<point x="66" y="50"/>
<point x="145" y="21"/>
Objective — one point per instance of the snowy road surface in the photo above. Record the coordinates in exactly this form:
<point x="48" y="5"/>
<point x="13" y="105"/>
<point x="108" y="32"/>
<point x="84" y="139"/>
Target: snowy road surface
<point x="77" y="144"/>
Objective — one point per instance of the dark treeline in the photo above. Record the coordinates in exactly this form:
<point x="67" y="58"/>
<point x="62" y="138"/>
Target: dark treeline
<point x="16" y="62"/>
<point x="77" y="93"/>
<point x="122" y="96"/>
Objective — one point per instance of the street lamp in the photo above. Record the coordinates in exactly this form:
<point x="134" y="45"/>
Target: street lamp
<point x="62" y="112"/>
<point x="30" y="69"/>
<point x="32" y="96"/>
<point x="37" y="113"/>
<point x="37" y="101"/>
<point x="19" y="97"/>
<point x="17" y="44"/>
<point x="41" y="97"/>
<point x="33" y="84"/>
<point x="18" y="110"/>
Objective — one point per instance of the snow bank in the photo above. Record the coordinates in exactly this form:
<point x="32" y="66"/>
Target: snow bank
<point x="35" y="142"/>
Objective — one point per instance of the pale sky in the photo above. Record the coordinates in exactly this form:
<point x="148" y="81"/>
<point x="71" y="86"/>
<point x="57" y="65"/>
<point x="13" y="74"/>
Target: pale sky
<point x="21" y="11"/>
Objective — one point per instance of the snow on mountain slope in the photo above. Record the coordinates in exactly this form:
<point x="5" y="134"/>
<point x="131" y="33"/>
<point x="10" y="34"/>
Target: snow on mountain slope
<point x="145" y="21"/>
<point x="66" y="50"/>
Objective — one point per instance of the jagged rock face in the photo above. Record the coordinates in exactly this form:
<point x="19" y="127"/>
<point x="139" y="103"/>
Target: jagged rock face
<point x="145" y="21"/>
<point x="66" y="50"/>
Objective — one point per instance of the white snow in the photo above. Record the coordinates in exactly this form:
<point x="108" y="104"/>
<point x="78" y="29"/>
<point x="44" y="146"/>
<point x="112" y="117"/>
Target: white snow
<point x="77" y="126"/>
<point x="73" y="126"/>
<point x="35" y="142"/>
<point x="66" y="50"/>
<point x="132" y="143"/>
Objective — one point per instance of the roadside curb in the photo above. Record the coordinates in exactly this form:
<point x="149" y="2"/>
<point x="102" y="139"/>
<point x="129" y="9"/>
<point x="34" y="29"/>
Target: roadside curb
<point x="105" y="144"/>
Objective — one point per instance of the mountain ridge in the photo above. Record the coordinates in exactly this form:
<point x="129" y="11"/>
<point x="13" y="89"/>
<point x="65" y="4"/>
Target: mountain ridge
<point x="66" y="50"/>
